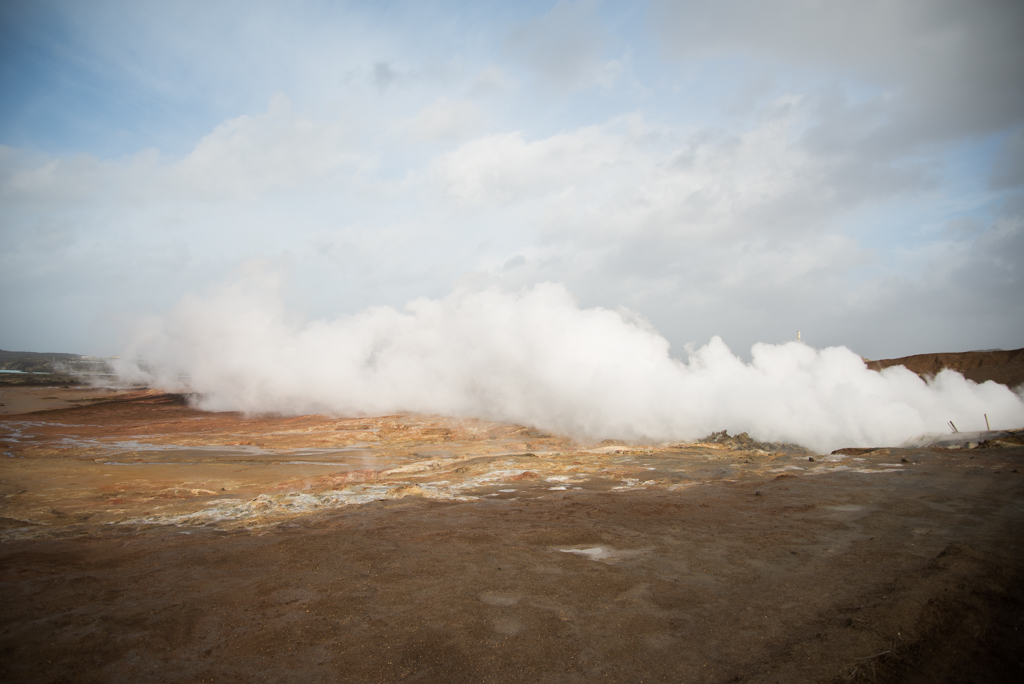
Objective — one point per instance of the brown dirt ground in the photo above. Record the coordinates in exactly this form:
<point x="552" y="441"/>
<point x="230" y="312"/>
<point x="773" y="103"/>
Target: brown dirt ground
<point x="15" y="399"/>
<point x="144" y="541"/>
<point x="1005" y="367"/>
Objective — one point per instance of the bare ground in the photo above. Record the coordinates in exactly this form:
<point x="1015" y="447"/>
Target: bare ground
<point x="1005" y="367"/>
<point x="144" y="541"/>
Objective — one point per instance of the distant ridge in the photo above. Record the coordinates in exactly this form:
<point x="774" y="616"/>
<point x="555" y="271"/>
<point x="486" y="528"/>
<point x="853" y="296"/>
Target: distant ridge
<point x="1006" y="367"/>
<point x="14" y="355"/>
<point x="42" y="368"/>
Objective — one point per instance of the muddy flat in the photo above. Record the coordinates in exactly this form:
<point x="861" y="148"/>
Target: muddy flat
<point x="15" y="399"/>
<point x="145" y="541"/>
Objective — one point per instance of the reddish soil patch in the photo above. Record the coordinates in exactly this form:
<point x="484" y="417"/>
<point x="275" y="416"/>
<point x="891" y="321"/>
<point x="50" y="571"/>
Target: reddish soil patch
<point x="17" y="399"/>
<point x="1005" y="367"/>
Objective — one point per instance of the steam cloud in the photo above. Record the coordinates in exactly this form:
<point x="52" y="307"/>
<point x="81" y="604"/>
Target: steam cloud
<point x="537" y="358"/>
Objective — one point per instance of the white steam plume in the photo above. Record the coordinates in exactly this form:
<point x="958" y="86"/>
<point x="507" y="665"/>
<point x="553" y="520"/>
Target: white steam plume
<point x="536" y="358"/>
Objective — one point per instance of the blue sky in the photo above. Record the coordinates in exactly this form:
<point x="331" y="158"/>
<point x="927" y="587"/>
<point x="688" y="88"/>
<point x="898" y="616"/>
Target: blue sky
<point x="743" y="169"/>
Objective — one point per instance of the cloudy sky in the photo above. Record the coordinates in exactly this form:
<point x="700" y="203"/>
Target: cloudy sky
<point x="853" y="170"/>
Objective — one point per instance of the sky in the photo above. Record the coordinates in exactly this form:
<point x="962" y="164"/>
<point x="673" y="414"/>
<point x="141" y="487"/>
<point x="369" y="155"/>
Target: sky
<point x="850" y="170"/>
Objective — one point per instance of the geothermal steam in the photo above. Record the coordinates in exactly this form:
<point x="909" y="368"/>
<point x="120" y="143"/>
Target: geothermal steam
<point x="536" y="358"/>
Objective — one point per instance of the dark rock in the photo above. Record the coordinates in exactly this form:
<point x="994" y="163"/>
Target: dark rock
<point x="744" y="442"/>
<point x="854" y="451"/>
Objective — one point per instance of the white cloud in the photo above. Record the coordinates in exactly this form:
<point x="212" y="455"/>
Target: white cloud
<point x="504" y="168"/>
<point x="488" y="81"/>
<point x="43" y="179"/>
<point x="444" y="120"/>
<point x="772" y="176"/>
<point x="562" y="47"/>
<point x="630" y="177"/>
<point x="945" y="68"/>
<point x="277" y="149"/>
<point x="242" y="158"/>
<point x="1008" y="170"/>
